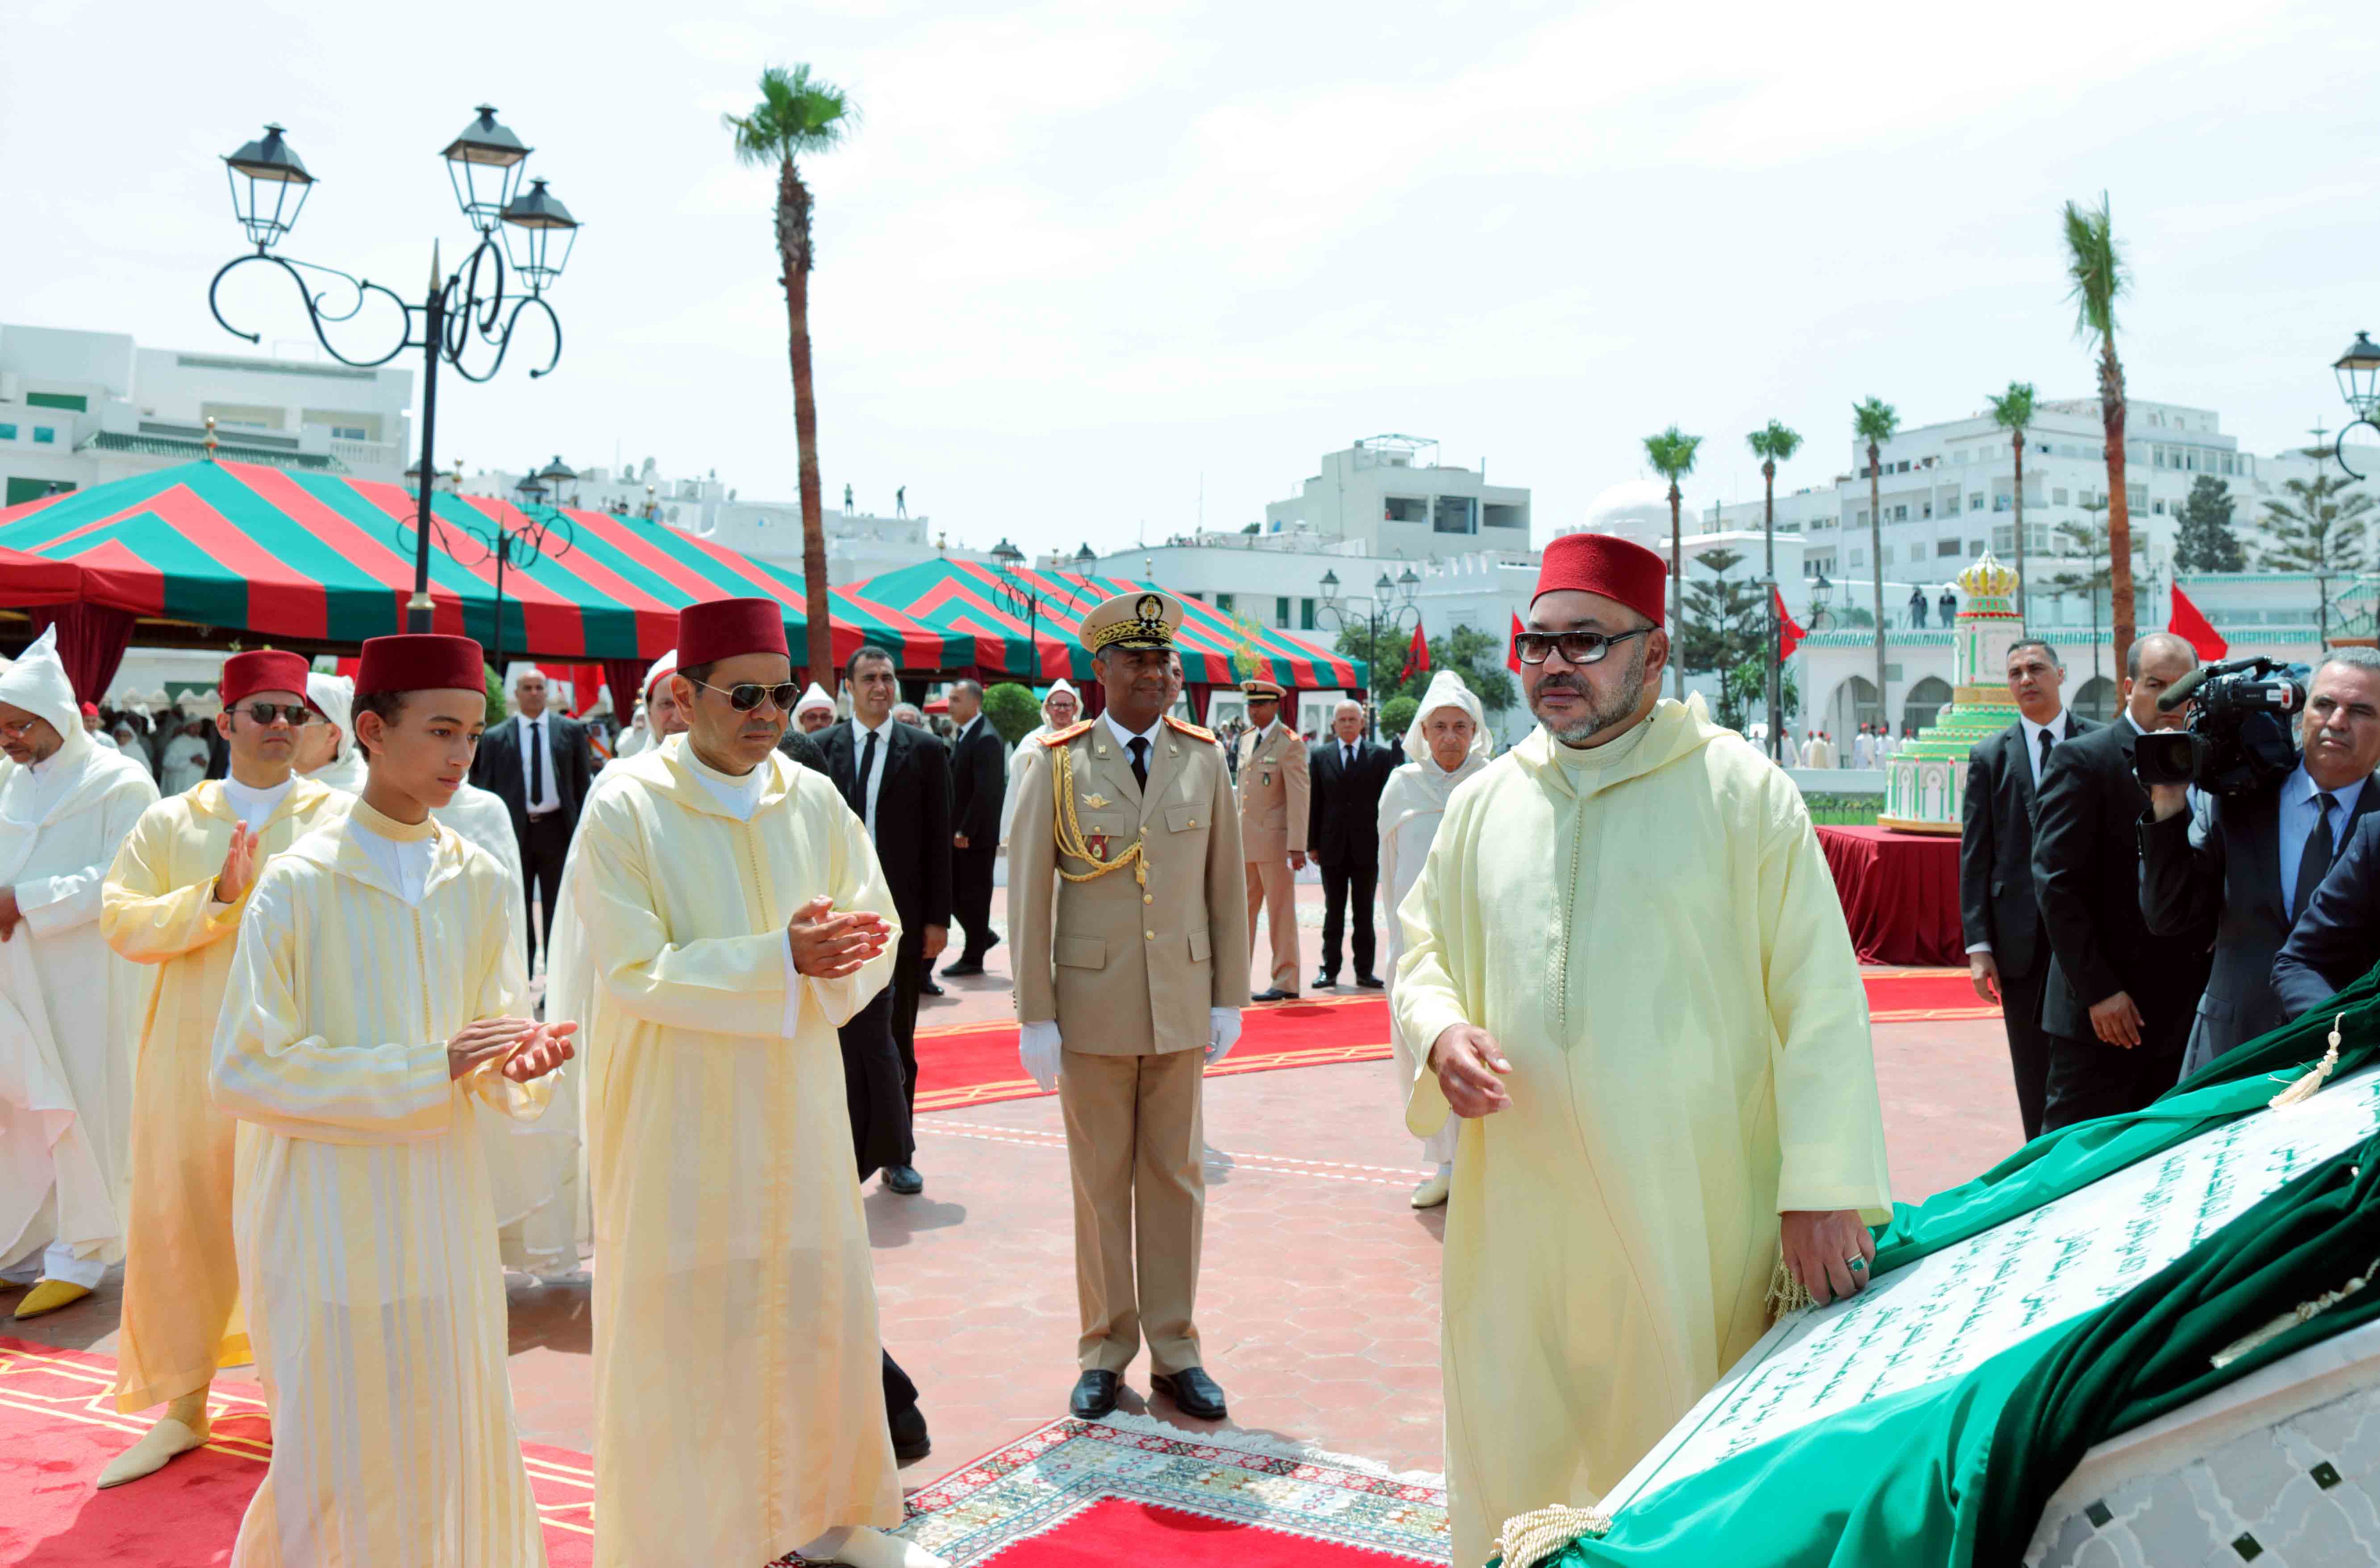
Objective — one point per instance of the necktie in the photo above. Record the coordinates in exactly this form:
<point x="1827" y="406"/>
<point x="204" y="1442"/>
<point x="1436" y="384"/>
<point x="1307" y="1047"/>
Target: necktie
<point x="2314" y="864"/>
<point x="536" y="763"/>
<point x="1347" y="758"/>
<point x="2037" y="773"/>
<point x="1140" y="761"/>
<point x="859" y="779"/>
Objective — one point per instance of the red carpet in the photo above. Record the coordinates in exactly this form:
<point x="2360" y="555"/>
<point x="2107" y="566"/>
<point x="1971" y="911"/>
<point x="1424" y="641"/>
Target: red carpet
<point x="1113" y="1530"/>
<point x="58" y="1426"/>
<point x="975" y="1064"/>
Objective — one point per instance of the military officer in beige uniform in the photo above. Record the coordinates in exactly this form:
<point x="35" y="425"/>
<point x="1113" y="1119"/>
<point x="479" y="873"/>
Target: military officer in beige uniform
<point x="1272" y="828"/>
<point x="1127" y="987"/>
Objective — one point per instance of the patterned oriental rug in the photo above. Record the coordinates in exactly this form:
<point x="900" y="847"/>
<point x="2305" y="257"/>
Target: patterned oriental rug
<point x="963" y="1064"/>
<point x="1081" y="1494"/>
<point x="58" y="1426"/>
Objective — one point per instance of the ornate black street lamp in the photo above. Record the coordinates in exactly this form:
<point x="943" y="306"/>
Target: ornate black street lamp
<point x="1021" y="598"/>
<point x="470" y="307"/>
<point x="2359" y="383"/>
<point x="1384" y="612"/>
<point x="546" y="529"/>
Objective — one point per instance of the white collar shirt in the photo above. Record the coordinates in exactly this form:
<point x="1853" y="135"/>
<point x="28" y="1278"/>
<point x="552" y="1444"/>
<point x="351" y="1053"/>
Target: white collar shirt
<point x="255" y="806"/>
<point x="406" y="862"/>
<point x="538" y="734"/>
<point x="874" y="783"/>
<point x="2055" y="729"/>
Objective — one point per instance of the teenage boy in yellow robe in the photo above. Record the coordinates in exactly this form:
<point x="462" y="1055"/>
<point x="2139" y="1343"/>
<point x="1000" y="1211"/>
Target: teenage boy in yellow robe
<point x="733" y="913"/>
<point x="1626" y="957"/>
<point x="173" y="900"/>
<point x="377" y="990"/>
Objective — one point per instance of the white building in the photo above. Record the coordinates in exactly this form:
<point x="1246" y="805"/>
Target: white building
<point x="79" y="409"/>
<point x="859" y="544"/>
<point x="1382" y="494"/>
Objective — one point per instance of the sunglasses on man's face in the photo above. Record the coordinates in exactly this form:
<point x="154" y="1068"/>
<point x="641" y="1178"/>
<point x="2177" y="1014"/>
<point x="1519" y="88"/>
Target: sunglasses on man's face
<point x="1576" y="647"/>
<point x="751" y="694"/>
<point x="265" y="712"/>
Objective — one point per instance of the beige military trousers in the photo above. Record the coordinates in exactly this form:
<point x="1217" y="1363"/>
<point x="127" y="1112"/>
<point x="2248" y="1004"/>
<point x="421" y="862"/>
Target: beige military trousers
<point x="1136" y="1142"/>
<point x="1272" y="886"/>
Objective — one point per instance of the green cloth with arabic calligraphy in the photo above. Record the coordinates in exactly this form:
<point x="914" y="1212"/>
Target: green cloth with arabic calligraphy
<point x="1957" y="1472"/>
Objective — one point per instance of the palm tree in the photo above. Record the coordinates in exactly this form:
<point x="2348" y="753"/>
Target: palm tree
<point x="2012" y="411"/>
<point x="1874" y="421"/>
<point x="1671" y="454"/>
<point x="1774" y="446"/>
<point x="799" y="115"/>
<point x="2097" y="269"/>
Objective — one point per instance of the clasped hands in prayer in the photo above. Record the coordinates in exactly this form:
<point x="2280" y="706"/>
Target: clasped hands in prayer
<point x="829" y="944"/>
<point x="1821" y="1246"/>
<point x="529" y="1049"/>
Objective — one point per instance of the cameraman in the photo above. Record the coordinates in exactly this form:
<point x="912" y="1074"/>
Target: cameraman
<point x="2118" y="1002"/>
<point x="2247" y="865"/>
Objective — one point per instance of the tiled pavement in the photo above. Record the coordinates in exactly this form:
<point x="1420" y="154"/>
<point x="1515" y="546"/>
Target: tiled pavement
<point x="1319" y="1301"/>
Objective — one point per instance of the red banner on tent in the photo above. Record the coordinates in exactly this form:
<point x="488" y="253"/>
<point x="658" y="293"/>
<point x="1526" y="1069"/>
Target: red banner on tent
<point x="2194" y="628"/>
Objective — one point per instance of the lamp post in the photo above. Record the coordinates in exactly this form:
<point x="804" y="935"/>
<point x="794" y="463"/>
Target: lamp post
<point x="2357" y="371"/>
<point x="517" y="549"/>
<point x="1020" y="598"/>
<point x="1386" y="611"/>
<point x="529" y="234"/>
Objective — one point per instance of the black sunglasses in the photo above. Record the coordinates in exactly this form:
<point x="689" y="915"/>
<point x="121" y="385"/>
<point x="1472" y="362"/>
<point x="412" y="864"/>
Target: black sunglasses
<point x="1577" y="648"/>
<point x="750" y="695"/>
<point x="265" y="712"/>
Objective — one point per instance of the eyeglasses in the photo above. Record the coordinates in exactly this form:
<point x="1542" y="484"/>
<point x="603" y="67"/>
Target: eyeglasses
<point x="265" y="712"/>
<point x="751" y="694"/>
<point x="1577" y="648"/>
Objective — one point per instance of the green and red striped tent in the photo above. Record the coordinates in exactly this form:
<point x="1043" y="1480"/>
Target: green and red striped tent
<point x="316" y="558"/>
<point x="1024" y="625"/>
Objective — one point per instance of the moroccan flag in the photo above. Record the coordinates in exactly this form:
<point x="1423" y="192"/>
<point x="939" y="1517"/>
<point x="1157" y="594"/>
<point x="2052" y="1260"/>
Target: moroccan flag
<point x="2187" y="623"/>
<point x="1512" y="648"/>
<point x="1789" y="630"/>
<point x="1416" y="657"/>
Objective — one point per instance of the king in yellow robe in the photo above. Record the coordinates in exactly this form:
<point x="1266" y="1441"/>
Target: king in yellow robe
<point x="1649" y="931"/>
<point x="182" y="1315"/>
<point x="739" y="1403"/>
<point x="367" y="1248"/>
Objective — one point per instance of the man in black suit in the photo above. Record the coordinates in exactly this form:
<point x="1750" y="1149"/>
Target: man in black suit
<point x="897" y="778"/>
<point x="538" y="763"/>
<point x="978" y="781"/>
<point x="2337" y="941"/>
<point x="2118" y="1002"/>
<point x="2247" y="866"/>
<point x="1346" y="774"/>
<point x="2007" y="958"/>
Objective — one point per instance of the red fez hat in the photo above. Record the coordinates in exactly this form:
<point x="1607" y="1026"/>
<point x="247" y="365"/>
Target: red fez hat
<point x="267" y="669"/>
<point x="1600" y="562"/>
<point x="421" y="662"/>
<point x="723" y="628"/>
<point x="90" y="709"/>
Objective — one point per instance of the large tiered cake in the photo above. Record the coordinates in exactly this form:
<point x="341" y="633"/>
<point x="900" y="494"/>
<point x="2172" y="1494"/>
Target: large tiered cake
<point x="1926" y="781"/>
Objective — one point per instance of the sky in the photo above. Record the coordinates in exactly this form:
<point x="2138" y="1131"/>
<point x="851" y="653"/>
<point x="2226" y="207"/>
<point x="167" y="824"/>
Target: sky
<point x="1100" y="273"/>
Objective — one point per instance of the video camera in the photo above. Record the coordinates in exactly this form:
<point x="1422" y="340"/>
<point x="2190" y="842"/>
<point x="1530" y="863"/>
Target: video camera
<point x="2239" y="741"/>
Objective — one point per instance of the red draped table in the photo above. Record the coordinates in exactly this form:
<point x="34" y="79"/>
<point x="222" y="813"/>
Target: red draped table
<point x="1899" y="894"/>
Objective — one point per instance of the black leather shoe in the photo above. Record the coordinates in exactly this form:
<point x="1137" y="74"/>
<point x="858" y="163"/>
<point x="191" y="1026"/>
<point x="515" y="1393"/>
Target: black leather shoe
<point x="962" y="969"/>
<point x="1275" y="994"/>
<point x="1193" y="1393"/>
<point x="1369" y="982"/>
<point x="904" y="1180"/>
<point x="1094" y="1397"/>
<point x="910" y="1442"/>
<point x="1326" y="982"/>
<point x="930" y="989"/>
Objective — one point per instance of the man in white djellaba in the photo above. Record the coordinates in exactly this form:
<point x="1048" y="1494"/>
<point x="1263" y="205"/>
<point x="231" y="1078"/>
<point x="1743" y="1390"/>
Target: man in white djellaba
<point x="67" y="1029"/>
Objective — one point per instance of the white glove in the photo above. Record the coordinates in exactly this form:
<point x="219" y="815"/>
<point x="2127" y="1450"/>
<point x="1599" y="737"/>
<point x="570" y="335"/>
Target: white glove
<point x="1038" y="1046"/>
<point x="1222" y="1032"/>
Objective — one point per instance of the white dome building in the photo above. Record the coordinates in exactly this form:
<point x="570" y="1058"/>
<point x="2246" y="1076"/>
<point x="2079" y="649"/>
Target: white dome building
<point x="1636" y="510"/>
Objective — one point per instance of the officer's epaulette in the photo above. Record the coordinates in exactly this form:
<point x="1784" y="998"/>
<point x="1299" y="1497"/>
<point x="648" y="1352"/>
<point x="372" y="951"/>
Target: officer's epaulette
<point x="1060" y="738"/>
<point x="1186" y="727"/>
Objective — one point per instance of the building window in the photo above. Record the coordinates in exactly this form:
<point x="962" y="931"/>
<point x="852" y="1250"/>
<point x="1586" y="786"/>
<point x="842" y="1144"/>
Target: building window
<point x="1945" y="547"/>
<point x="1454" y="513"/>
<point x="1926" y="510"/>
<point x="349" y="433"/>
<point x="1863" y="517"/>
<point x="1974" y="549"/>
<point x="1902" y="467"/>
<point x="2058" y="496"/>
<point x="74" y="401"/>
<point x="2136" y="497"/>
<point x="1859" y="556"/>
<point x="2158" y="507"/>
<point x="45" y="436"/>
<point x="1974" y="501"/>
<point x="1406" y="509"/>
<point x="1224" y="603"/>
<point x="1280" y="613"/>
<point x="1901" y="513"/>
<point x="1305" y="615"/>
<point x="1503" y="515"/>
<point x="7" y="433"/>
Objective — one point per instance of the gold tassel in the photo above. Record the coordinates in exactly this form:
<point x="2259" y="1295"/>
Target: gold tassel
<point x="2303" y="1088"/>
<point x="1528" y="1538"/>
<point x="1786" y="1293"/>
